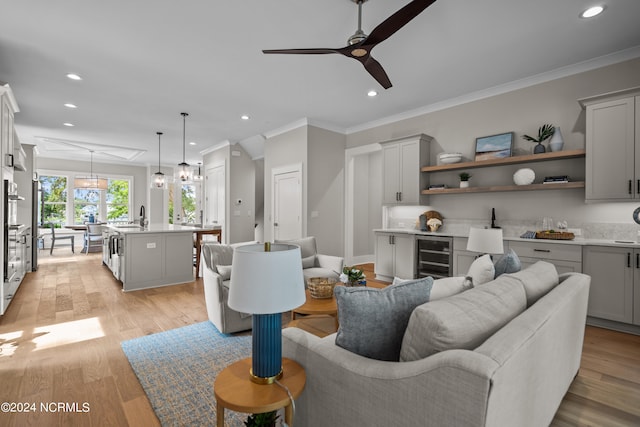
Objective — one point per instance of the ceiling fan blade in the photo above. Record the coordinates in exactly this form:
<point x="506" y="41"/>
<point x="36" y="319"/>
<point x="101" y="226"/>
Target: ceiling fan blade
<point x="312" y="51"/>
<point x="375" y="69"/>
<point x="396" y="21"/>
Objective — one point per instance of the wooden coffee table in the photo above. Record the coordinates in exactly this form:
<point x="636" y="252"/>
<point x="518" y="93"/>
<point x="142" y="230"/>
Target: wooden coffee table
<point x="316" y="306"/>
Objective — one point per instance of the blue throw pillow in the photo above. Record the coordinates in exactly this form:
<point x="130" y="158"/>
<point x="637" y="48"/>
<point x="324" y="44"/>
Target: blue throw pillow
<point x="508" y="263"/>
<point x="373" y="321"/>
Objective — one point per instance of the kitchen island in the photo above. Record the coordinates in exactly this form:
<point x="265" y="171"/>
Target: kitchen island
<point x="149" y="257"/>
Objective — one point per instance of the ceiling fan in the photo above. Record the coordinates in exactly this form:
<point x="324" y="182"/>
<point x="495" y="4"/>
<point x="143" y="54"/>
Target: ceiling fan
<point x="360" y="44"/>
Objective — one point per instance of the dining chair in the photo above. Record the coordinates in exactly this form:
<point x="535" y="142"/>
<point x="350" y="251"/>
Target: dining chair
<point x="93" y="237"/>
<point x="63" y="237"/>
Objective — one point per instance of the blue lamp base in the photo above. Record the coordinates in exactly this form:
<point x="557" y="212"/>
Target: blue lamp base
<point x="266" y="364"/>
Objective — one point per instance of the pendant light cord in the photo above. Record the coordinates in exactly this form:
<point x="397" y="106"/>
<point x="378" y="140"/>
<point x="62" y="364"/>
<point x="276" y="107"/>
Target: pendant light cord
<point x="159" y="134"/>
<point x="184" y="133"/>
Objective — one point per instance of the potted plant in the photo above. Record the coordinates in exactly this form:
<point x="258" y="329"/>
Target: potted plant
<point x="352" y="276"/>
<point x="544" y="132"/>
<point x="266" y="419"/>
<point x="464" y="179"/>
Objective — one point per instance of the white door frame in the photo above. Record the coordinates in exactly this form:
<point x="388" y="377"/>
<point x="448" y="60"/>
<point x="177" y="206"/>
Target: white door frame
<point x="296" y="167"/>
<point x="208" y="170"/>
<point x="349" y="160"/>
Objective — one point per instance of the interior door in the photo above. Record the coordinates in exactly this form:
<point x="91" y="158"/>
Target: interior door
<point x="215" y="196"/>
<point x="287" y="215"/>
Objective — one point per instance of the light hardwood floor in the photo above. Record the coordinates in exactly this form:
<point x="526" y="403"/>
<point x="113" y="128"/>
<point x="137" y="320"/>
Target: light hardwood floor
<point x="60" y="342"/>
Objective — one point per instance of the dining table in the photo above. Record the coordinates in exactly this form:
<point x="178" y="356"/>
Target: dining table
<point x="199" y="233"/>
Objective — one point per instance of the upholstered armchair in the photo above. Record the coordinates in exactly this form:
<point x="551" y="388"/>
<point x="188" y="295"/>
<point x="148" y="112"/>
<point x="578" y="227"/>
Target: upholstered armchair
<point x="315" y="264"/>
<point x="216" y="261"/>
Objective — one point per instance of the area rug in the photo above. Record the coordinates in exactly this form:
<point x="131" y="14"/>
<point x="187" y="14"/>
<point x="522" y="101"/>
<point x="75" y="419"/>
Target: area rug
<point x="177" y="369"/>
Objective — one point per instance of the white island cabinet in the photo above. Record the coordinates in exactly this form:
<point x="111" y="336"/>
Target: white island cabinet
<point x="150" y="257"/>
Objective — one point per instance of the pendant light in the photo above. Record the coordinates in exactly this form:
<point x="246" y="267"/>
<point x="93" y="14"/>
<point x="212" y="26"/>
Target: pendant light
<point x="158" y="179"/>
<point x="184" y="171"/>
<point x="199" y="176"/>
<point x="91" y="183"/>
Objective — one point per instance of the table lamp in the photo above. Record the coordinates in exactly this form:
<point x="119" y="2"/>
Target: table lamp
<point x="485" y="240"/>
<point x="266" y="280"/>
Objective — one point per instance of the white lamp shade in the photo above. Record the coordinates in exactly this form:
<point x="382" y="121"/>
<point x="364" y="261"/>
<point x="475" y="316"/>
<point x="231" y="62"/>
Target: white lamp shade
<point x="91" y="183"/>
<point x="485" y="240"/>
<point x="266" y="282"/>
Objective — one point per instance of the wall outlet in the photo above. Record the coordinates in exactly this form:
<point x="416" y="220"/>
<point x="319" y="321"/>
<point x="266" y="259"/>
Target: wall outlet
<point x="576" y="231"/>
<point x="151" y="245"/>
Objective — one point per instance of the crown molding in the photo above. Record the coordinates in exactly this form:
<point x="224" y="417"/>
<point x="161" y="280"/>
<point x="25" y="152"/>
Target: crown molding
<point x="569" y="70"/>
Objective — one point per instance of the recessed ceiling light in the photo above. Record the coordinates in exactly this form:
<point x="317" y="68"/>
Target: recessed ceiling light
<point x="69" y="124"/>
<point x="372" y="93"/>
<point x="73" y="76"/>
<point x="592" y="11"/>
<point x="192" y="143"/>
<point x="68" y="105"/>
<point x="244" y="117"/>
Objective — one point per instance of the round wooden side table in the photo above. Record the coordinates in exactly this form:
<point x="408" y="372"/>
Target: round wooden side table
<point x="316" y="306"/>
<point x="235" y="391"/>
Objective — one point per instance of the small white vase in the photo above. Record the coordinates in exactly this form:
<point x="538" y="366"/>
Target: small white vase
<point x="556" y="142"/>
<point x="464" y="184"/>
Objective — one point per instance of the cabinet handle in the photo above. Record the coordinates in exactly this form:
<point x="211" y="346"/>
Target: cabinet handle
<point x="630" y="187"/>
<point x="638" y="186"/>
<point x="542" y="250"/>
<point x="638" y="260"/>
<point x="629" y="259"/>
<point x="400" y="196"/>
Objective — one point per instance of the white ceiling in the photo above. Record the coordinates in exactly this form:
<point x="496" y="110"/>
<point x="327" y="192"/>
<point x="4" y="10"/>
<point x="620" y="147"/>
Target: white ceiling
<point x="144" y="62"/>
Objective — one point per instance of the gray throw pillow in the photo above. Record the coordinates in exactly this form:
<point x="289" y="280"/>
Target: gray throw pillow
<point x="508" y="263"/>
<point x="373" y="321"/>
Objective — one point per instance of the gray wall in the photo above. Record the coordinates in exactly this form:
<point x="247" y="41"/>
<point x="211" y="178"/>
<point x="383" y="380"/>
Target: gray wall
<point x="325" y="211"/>
<point x="239" y="184"/>
<point x="521" y="111"/>
<point x="242" y="186"/>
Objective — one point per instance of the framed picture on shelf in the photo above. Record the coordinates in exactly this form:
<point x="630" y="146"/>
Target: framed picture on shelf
<point x="494" y="146"/>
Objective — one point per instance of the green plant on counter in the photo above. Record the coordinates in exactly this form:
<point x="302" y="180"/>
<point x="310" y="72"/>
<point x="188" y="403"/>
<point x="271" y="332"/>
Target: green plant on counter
<point x="464" y="176"/>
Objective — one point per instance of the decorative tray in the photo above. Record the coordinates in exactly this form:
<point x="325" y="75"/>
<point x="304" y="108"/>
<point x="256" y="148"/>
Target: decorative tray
<point x="555" y="235"/>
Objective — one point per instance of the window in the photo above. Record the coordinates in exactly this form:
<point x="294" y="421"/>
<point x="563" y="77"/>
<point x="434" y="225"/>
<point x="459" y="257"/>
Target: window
<point x="118" y="200"/>
<point x="103" y="206"/>
<point x="53" y="199"/>
<point x="189" y="203"/>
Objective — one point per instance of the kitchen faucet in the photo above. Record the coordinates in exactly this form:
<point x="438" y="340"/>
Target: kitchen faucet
<point x="143" y="215"/>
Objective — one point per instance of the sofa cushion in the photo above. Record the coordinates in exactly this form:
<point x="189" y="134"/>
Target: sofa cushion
<point x="224" y="271"/>
<point x="507" y="263"/>
<point x="442" y="287"/>
<point x="462" y="321"/>
<point x="309" y="262"/>
<point x="537" y="279"/>
<point x="372" y="321"/>
<point x="481" y="270"/>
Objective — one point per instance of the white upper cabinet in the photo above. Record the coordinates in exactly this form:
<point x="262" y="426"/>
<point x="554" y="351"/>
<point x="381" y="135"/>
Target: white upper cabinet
<point x="401" y="163"/>
<point x="8" y="107"/>
<point x="613" y="146"/>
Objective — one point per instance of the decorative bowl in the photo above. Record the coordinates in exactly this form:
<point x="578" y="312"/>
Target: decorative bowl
<point x="321" y="287"/>
<point x="524" y="176"/>
<point x="448" y="158"/>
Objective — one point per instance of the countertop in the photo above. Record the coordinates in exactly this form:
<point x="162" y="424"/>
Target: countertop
<point x="577" y="241"/>
<point x="155" y="228"/>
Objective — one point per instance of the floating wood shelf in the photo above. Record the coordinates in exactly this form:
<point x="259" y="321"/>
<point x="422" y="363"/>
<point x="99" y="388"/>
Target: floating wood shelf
<point x="531" y="187"/>
<point x="529" y="158"/>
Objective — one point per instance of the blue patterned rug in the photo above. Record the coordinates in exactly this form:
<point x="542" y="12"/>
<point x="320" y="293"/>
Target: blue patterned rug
<point x="177" y="369"/>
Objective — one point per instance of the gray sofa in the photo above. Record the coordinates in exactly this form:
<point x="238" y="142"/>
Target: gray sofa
<point x="216" y="261"/>
<point x="477" y="374"/>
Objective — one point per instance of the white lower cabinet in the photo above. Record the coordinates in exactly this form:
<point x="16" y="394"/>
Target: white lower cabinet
<point x="615" y="283"/>
<point x="566" y="257"/>
<point x="395" y="256"/>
